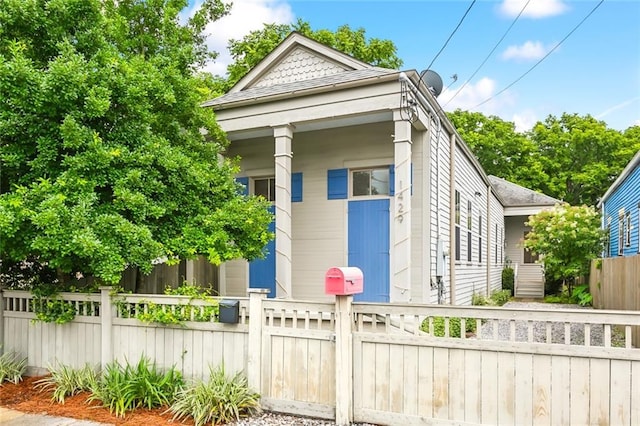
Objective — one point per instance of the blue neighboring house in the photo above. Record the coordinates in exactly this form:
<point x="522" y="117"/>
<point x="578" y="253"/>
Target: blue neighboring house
<point x="621" y="212"/>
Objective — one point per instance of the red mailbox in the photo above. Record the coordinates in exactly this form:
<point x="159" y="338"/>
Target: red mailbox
<point x="343" y="280"/>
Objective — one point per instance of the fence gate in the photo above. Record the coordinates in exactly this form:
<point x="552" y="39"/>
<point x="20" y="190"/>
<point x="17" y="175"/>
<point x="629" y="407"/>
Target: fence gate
<point x="298" y="358"/>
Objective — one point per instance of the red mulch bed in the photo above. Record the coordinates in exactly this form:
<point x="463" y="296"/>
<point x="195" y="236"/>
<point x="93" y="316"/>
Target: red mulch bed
<point x="27" y="398"/>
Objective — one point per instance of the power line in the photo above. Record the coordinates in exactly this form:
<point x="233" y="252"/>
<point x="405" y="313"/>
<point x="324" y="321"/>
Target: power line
<point x="454" y="31"/>
<point x="543" y="58"/>
<point x="490" y="53"/>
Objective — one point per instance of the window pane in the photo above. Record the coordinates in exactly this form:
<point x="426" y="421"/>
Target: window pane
<point x="261" y="187"/>
<point x="380" y="182"/>
<point x="272" y="189"/>
<point x="361" y="182"/>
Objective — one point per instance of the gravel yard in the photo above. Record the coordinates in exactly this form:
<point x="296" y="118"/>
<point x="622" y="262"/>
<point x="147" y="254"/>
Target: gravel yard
<point x="540" y="330"/>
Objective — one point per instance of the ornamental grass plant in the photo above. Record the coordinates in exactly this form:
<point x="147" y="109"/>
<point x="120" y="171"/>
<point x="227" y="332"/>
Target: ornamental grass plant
<point x="65" y="381"/>
<point x="123" y="388"/>
<point x="222" y="399"/>
<point x="12" y="367"/>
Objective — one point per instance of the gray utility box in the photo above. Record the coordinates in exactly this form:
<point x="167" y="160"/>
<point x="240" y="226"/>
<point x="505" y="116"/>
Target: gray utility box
<point x="229" y="311"/>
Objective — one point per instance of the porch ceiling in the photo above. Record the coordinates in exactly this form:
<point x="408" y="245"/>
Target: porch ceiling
<point x="314" y="125"/>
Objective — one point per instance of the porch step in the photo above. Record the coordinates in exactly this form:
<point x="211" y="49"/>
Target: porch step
<point x="530" y="290"/>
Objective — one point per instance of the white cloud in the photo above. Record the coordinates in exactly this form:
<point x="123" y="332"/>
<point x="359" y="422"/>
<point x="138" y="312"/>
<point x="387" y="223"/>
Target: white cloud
<point x="528" y="51"/>
<point x="502" y="106"/>
<point x="535" y="9"/>
<point x="472" y="95"/>
<point x="524" y="120"/>
<point x="245" y="16"/>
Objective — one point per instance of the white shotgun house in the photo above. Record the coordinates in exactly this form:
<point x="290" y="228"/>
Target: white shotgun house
<point x="364" y="169"/>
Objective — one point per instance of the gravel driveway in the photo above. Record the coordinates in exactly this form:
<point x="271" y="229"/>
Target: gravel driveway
<point x="539" y="328"/>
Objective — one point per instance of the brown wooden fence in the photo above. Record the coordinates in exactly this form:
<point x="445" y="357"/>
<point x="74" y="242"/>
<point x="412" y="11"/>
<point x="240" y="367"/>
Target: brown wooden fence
<point x="615" y="284"/>
<point x="199" y="271"/>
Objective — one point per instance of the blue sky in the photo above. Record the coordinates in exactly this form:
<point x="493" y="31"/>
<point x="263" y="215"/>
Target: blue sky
<point x="595" y="71"/>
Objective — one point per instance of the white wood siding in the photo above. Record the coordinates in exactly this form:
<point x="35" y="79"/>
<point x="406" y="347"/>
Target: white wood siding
<point x="496" y="218"/>
<point x="439" y="204"/>
<point x="471" y="276"/>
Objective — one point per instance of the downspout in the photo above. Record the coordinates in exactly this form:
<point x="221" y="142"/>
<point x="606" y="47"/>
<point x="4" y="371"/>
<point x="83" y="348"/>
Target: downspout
<point x="452" y="221"/>
<point x="488" y="257"/>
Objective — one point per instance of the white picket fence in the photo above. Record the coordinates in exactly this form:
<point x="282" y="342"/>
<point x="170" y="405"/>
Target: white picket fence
<point x="367" y="362"/>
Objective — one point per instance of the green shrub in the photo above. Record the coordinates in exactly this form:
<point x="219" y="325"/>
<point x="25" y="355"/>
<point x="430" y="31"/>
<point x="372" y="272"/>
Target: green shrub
<point x="581" y="295"/>
<point x="454" y="326"/>
<point x="220" y="400"/>
<point x="500" y="297"/>
<point x="12" y="367"/>
<point x="551" y="285"/>
<point x="66" y="381"/>
<point x="479" y="300"/>
<point x="508" y="279"/>
<point x="170" y="314"/>
<point x="124" y="388"/>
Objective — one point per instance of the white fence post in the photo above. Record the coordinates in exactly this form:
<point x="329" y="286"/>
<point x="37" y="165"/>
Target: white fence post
<point x="254" y="349"/>
<point x="106" y="326"/>
<point x="344" y="360"/>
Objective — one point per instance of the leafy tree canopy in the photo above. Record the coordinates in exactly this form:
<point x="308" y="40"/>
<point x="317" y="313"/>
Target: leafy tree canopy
<point x="581" y="156"/>
<point x="253" y="47"/>
<point x="567" y="238"/>
<point x="573" y="158"/>
<point x="501" y="150"/>
<point x="104" y="159"/>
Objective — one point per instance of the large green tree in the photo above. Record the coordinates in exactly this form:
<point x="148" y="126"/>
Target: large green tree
<point x="108" y="161"/>
<point x="249" y="50"/>
<point x="581" y="156"/>
<point x="500" y="149"/>
<point x="573" y="158"/>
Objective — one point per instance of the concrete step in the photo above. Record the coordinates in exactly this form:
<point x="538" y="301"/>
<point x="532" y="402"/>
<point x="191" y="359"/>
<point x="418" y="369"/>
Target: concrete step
<point x="530" y="290"/>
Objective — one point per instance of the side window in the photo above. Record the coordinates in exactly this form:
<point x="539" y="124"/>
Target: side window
<point x="620" y="232"/>
<point x="495" y="245"/>
<point x="265" y="187"/>
<point x="457" y="194"/>
<point x="480" y="237"/>
<point x="469" y="224"/>
<point x="607" y="247"/>
<point x="627" y="237"/>
<point x="367" y="182"/>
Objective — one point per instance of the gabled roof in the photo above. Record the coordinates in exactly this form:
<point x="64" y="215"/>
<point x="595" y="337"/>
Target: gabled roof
<point x="293" y="54"/>
<point x="635" y="162"/>
<point x="260" y="92"/>
<point x="514" y="195"/>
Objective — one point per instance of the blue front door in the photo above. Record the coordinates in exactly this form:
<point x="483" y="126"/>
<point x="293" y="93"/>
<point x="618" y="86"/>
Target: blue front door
<point x="369" y="247"/>
<point x="262" y="272"/>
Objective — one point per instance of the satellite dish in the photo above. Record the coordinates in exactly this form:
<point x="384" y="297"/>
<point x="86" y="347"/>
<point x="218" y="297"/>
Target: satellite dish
<point x="433" y="81"/>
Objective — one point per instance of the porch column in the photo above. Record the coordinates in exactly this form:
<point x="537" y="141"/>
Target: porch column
<point x="283" y="136"/>
<point x="401" y="238"/>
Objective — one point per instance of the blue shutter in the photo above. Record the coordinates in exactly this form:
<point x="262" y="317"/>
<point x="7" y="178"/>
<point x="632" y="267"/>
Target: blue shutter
<point x="337" y="184"/>
<point x="244" y="181"/>
<point x="296" y="187"/>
